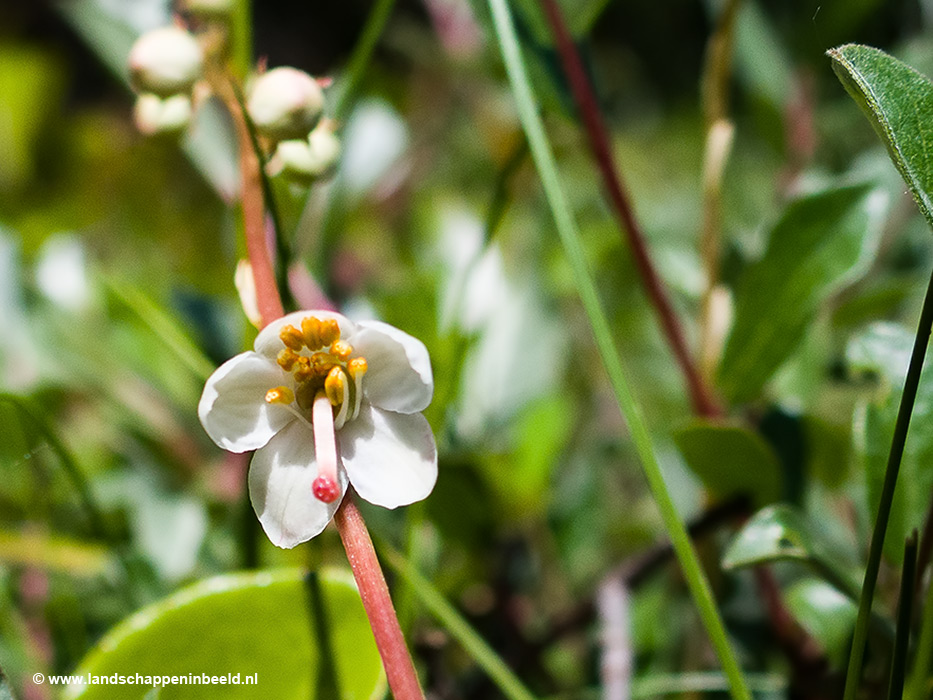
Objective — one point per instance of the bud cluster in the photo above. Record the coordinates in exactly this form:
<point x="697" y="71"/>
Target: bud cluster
<point x="164" y="66"/>
<point x="285" y="105"/>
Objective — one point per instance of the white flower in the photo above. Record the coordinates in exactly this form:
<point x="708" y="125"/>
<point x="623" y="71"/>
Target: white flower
<point x="316" y="382"/>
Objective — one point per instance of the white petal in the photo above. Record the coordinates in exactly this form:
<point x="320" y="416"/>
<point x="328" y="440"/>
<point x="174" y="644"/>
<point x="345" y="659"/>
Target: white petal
<point x="233" y="408"/>
<point x="280" y="478"/>
<point x="390" y="457"/>
<point x="268" y="343"/>
<point x="399" y="377"/>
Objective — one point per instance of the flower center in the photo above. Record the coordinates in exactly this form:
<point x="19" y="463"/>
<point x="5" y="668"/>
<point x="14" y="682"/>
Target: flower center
<point x="328" y="381"/>
<point x="320" y="361"/>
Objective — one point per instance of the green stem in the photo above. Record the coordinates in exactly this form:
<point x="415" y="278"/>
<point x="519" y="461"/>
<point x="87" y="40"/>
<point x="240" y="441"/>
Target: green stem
<point x="898" y="440"/>
<point x="362" y="53"/>
<point x="566" y="228"/>
<point x="918" y="686"/>
<point x="327" y="685"/>
<point x="460" y="629"/>
<point x="904" y="614"/>
<point x="242" y="30"/>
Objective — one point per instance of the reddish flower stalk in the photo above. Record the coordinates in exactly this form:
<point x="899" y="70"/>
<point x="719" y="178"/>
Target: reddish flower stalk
<point x="701" y="397"/>
<point x="400" y="670"/>
<point x="382" y="618"/>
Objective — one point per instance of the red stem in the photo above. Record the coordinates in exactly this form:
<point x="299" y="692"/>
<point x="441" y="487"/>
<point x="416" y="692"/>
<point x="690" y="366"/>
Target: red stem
<point x="701" y="397"/>
<point x="375" y="594"/>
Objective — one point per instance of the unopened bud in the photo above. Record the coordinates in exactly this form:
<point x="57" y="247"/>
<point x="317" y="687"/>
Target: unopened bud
<point x="153" y="115"/>
<point x="285" y="104"/>
<point x="325" y="146"/>
<point x="165" y="61"/>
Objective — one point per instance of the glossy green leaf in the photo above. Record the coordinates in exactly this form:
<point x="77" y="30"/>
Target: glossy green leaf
<point x="820" y="242"/>
<point x="898" y="101"/>
<point x="730" y="459"/>
<point x="828" y="615"/>
<point x="247" y="623"/>
<point x="783" y="533"/>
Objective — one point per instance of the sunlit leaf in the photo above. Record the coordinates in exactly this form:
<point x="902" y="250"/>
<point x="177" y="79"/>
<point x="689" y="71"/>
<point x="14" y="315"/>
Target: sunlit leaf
<point x="783" y="533"/>
<point x="828" y="615"/>
<point x="822" y="241"/>
<point x="248" y="623"/>
<point x="898" y="101"/>
<point x="730" y="459"/>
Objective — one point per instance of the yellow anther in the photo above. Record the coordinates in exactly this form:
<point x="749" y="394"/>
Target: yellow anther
<point x="291" y="337"/>
<point x="330" y="331"/>
<point x="311" y="331"/>
<point x="280" y="394"/>
<point x="357" y="367"/>
<point x="287" y="359"/>
<point x="336" y="386"/>
<point x="304" y="371"/>
<point x="342" y="350"/>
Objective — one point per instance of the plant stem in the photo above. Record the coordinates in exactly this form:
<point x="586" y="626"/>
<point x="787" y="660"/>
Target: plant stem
<point x="904" y="614"/>
<point x="567" y="230"/>
<point x="588" y="108"/>
<point x="918" y="685"/>
<point x="396" y="660"/>
<point x="362" y="52"/>
<point x="911" y="382"/>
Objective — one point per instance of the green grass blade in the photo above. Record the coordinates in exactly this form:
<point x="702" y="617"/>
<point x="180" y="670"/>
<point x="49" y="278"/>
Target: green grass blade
<point x="567" y="229"/>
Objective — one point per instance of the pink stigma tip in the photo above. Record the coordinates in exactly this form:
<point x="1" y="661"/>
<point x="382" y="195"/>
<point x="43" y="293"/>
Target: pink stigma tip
<point x="325" y="489"/>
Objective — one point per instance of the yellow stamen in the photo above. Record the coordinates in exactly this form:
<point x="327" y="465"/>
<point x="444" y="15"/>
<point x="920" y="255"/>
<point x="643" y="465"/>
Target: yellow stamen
<point x="311" y="332"/>
<point x="292" y="338"/>
<point x="287" y="359"/>
<point x="357" y="367"/>
<point x="280" y="394"/>
<point x="330" y="331"/>
<point x="305" y="371"/>
<point x="336" y="386"/>
<point x="342" y="349"/>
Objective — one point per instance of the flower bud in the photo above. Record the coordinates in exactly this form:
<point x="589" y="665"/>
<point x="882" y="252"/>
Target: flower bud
<point x="165" y="61"/>
<point x="325" y="146"/>
<point x="285" y="104"/>
<point x="153" y="115"/>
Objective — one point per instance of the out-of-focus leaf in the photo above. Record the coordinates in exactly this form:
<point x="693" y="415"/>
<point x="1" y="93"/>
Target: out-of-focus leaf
<point x="828" y="450"/>
<point x="53" y="553"/>
<point x="884" y="349"/>
<point x="783" y="533"/>
<point x="898" y="102"/>
<point x="248" y="623"/>
<point x="822" y="241"/>
<point x="730" y="459"/>
<point x="828" y="615"/>
<point x="28" y="80"/>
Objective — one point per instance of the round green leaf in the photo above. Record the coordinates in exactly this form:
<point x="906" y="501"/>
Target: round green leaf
<point x="730" y="459"/>
<point x="239" y="624"/>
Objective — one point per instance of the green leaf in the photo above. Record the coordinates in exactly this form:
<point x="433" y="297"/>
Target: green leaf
<point x="730" y="459"/>
<point x="828" y="615"/>
<point x="247" y="623"/>
<point x="783" y="533"/>
<point x="898" y="102"/>
<point x="821" y="242"/>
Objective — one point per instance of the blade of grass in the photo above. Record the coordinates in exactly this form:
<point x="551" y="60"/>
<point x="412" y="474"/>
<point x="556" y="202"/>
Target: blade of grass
<point x="432" y="599"/>
<point x="918" y="686"/>
<point x="359" y="60"/>
<point x="904" y="613"/>
<point x="162" y="325"/>
<point x="898" y="440"/>
<point x="567" y="230"/>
